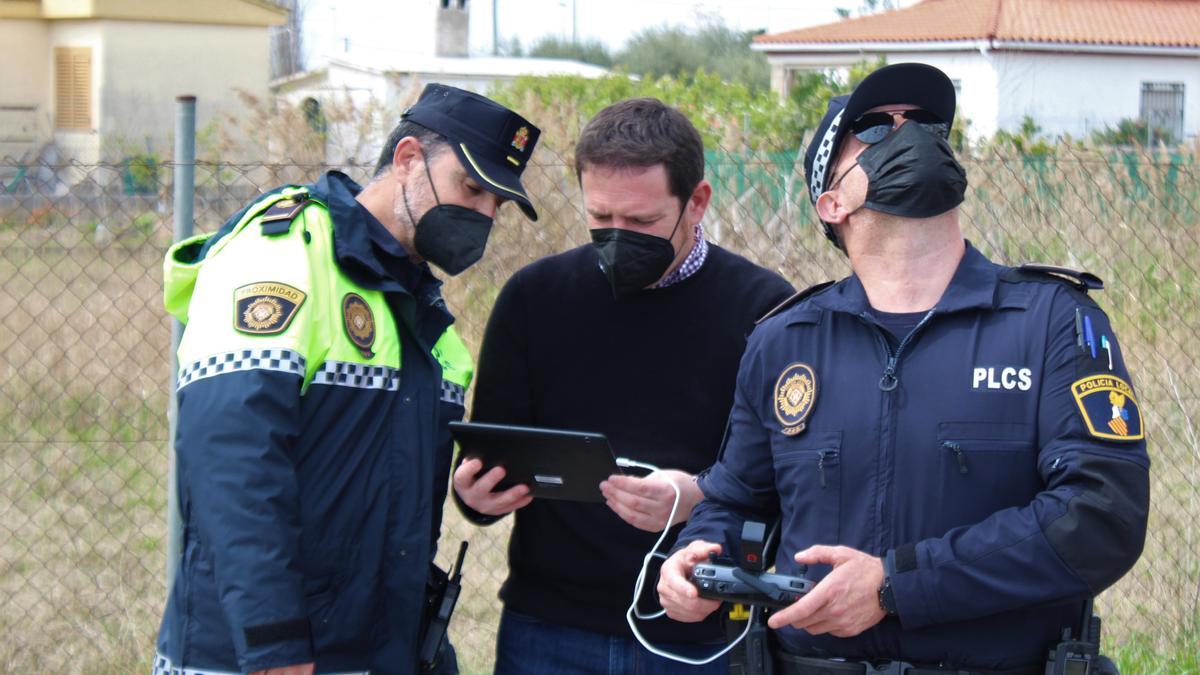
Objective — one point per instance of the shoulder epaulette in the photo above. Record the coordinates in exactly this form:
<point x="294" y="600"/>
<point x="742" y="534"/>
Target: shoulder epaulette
<point x="278" y="217"/>
<point x="796" y="297"/>
<point x="1080" y="281"/>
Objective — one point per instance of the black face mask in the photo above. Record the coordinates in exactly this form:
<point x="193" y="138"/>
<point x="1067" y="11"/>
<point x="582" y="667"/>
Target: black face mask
<point x="633" y="260"/>
<point x="912" y="173"/>
<point x="448" y="235"/>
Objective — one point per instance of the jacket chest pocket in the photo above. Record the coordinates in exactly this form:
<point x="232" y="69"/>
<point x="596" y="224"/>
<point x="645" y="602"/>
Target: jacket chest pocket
<point x="808" y="477"/>
<point x="985" y="467"/>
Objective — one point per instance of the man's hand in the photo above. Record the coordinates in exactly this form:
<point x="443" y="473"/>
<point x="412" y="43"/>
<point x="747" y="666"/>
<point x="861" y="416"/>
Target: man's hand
<point x="676" y="593"/>
<point x="476" y="491"/>
<point x="301" y="669"/>
<point x="844" y="603"/>
<point x="646" y="502"/>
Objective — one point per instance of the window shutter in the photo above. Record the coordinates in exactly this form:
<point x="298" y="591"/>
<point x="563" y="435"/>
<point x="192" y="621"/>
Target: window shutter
<point x="73" y="88"/>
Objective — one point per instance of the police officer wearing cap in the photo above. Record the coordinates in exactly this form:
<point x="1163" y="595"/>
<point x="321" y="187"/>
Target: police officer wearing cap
<point x="954" y="448"/>
<point x="319" y="369"/>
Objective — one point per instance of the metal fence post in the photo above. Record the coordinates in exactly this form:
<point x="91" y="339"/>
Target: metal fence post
<point x="185" y="201"/>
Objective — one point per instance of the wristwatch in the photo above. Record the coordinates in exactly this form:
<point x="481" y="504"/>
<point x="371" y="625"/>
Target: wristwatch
<point x="887" y="598"/>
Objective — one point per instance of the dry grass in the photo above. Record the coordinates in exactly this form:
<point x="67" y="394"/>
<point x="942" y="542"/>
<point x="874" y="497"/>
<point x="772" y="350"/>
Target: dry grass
<point x="83" y="361"/>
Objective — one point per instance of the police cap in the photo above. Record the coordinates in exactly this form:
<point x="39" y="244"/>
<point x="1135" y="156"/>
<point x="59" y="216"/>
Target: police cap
<point x="492" y="142"/>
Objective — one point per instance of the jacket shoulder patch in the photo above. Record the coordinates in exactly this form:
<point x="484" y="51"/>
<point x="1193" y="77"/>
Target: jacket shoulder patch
<point x="266" y="307"/>
<point x="795" y="298"/>
<point x="1108" y="407"/>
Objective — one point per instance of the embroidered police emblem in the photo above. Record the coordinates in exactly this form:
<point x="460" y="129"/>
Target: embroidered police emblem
<point x="520" y="139"/>
<point x="266" y="307"/>
<point x="795" y="394"/>
<point x="359" y="323"/>
<point x="1108" y="407"/>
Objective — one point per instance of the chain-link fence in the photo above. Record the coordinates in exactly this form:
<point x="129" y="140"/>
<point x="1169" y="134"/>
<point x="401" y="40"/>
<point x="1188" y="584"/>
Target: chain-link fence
<point x="84" y="351"/>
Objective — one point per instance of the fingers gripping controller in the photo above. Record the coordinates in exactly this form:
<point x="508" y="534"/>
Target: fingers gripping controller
<point x="730" y="583"/>
<point x="748" y="582"/>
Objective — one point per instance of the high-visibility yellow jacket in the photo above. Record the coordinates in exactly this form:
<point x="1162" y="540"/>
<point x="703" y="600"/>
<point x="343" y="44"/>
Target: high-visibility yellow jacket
<point x="318" y="372"/>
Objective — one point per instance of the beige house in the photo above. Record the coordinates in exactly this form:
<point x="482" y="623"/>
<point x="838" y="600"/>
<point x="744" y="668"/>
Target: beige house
<point x="99" y="78"/>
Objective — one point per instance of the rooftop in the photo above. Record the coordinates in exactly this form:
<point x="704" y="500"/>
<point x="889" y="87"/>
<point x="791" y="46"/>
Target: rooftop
<point x="1143" y="23"/>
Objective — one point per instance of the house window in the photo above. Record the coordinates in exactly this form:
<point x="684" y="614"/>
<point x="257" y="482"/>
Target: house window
<point x="73" y="88"/>
<point x="1162" y="111"/>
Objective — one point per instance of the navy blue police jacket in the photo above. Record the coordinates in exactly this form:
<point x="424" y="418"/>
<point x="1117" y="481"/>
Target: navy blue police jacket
<point x="310" y="513"/>
<point x="994" y="458"/>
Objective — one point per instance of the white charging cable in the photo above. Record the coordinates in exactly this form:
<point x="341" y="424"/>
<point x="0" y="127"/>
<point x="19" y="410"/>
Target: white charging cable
<point x="632" y="614"/>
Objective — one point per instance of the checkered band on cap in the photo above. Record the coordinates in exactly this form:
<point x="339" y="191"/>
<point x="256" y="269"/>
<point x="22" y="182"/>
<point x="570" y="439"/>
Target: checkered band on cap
<point x="357" y="375"/>
<point x="280" y="360"/>
<point x="453" y="393"/>
<point x="822" y="159"/>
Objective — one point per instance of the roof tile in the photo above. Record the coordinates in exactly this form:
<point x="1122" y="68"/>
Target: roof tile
<point x="1155" y="23"/>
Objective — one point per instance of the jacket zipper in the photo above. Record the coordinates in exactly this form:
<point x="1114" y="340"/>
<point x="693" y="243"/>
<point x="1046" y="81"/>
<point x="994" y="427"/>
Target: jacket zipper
<point x="888" y="383"/>
<point x="890" y="380"/>
<point x="821" y="463"/>
<point x="956" y="448"/>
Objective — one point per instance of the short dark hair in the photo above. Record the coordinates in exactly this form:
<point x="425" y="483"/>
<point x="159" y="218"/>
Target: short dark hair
<point x="643" y="132"/>
<point x="431" y="141"/>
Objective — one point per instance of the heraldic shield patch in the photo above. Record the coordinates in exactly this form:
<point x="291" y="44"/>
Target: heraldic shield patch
<point x="266" y="307"/>
<point x="1108" y="407"/>
<point x="360" y="323"/>
<point x="795" y="395"/>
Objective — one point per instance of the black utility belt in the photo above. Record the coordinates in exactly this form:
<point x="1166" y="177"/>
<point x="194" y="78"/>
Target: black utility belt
<point x="790" y="664"/>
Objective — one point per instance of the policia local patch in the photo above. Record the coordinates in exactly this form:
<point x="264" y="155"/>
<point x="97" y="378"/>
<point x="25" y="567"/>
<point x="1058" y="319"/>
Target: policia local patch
<point x="1108" y="407"/>
<point x="265" y="307"/>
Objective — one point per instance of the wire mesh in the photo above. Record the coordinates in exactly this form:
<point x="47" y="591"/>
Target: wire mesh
<point x="84" y="345"/>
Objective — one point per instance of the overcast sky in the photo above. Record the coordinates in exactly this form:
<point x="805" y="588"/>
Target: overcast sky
<point x="366" y="24"/>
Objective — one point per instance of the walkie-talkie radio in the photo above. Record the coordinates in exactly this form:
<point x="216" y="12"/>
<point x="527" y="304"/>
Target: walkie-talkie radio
<point x="443" y="608"/>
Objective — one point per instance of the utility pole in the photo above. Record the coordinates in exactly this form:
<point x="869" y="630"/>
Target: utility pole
<point x="574" y="23"/>
<point x="495" y="28"/>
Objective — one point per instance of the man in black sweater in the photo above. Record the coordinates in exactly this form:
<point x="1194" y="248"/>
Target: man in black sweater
<point x="637" y="336"/>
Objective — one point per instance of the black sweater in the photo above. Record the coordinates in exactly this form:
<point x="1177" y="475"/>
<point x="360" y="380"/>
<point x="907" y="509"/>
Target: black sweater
<point x="654" y="372"/>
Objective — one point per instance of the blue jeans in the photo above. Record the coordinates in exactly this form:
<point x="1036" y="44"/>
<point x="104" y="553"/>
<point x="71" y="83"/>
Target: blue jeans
<point x="529" y="646"/>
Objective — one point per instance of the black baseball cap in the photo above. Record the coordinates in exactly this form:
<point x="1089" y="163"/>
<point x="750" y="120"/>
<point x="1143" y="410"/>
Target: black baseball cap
<point x="916" y="84"/>
<point x="492" y="142"/>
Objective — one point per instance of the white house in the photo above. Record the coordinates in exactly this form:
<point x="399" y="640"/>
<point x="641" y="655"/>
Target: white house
<point x="1072" y="66"/>
<point x="391" y="79"/>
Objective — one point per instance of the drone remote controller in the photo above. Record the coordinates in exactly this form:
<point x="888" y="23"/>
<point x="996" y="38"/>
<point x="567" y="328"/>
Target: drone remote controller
<point x="731" y="583"/>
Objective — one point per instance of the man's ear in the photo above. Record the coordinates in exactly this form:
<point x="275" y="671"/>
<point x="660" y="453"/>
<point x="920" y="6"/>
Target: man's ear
<point x="831" y="208"/>
<point x="407" y="155"/>
<point x="697" y="204"/>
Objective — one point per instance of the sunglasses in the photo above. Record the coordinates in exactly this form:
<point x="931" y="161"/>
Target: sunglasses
<point x="873" y="127"/>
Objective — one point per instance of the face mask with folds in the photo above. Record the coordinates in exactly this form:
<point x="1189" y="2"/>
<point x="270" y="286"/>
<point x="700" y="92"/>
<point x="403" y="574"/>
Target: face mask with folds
<point x="633" y="260"/>
<point x="450" y="236"/>
<point x="912" y="173"/>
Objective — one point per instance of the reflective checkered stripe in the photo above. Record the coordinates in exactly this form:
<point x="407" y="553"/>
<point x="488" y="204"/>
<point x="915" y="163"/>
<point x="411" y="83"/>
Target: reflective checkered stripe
<point x="163" y="666"/>
<point x="453" y="393"/>
<point x="280" y="360"/>
<point x="822" y="159"/>
<point x="357" y="375"/>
